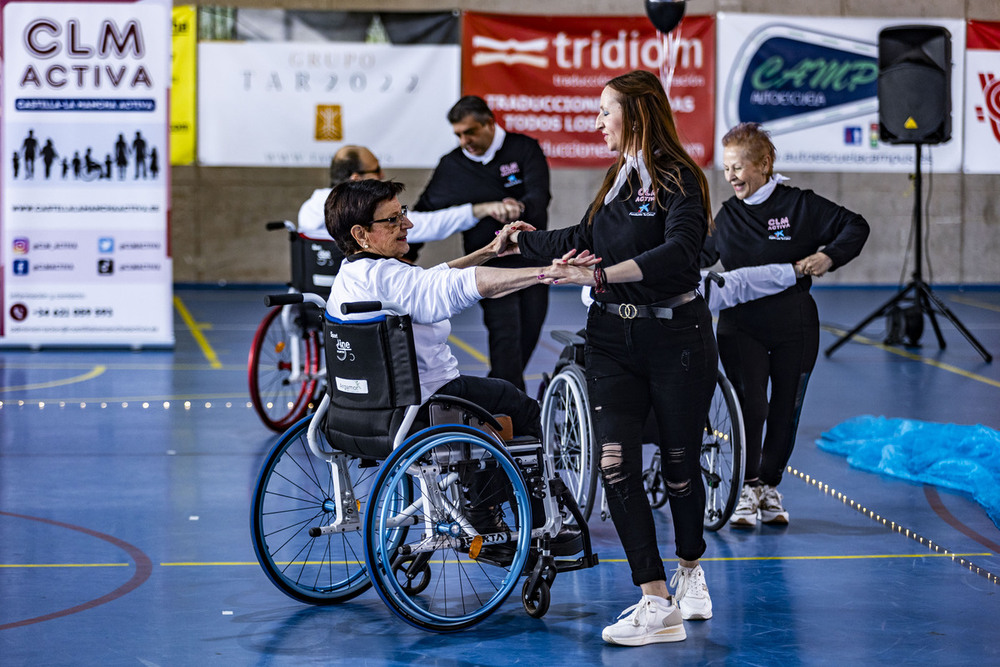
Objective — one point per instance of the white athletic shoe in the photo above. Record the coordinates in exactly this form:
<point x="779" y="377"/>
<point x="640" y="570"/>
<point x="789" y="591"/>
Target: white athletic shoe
<point x="651" y="621"/>
<point x="771" y="510"/>
<point x="745" y="514"/>
<point x="691" y="593"/>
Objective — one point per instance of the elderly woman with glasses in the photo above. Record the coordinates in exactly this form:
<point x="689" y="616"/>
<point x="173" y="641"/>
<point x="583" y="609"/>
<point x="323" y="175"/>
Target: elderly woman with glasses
<point x="370" y="226"/>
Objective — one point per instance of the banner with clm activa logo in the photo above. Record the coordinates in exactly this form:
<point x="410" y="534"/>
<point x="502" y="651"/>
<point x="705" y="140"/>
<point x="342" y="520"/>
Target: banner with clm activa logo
<point x="84" y="175"/>
<point x="813" y="83"/>
<point x="543" y="76"/>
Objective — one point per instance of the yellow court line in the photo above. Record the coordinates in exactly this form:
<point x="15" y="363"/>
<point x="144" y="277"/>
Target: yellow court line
<point x="195" y="330"/>
<point x="730" y="559"/>
<point x="976" y="303"/>
<point x="476" y="354"/>
<point x="94" y="372"/>
<point x="915" y="357"/>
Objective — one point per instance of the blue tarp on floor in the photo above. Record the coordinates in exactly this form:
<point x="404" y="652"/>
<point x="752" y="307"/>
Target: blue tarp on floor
<point x="962" y="458"/>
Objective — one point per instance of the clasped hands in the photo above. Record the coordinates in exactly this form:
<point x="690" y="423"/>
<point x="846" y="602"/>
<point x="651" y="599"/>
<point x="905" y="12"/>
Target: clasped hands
<point x="571" y="269"/>
<point x="816" y="265"/>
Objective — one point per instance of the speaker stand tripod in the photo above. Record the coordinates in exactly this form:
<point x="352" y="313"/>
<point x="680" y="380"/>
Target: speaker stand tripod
<point x="923" y="297"/>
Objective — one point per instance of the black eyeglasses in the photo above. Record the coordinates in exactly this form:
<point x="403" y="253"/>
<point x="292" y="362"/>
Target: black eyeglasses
<point x="395" y="220"/>
<point x="365" y="172"/>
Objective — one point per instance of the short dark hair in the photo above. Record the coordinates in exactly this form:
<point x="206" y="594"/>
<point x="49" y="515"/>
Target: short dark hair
<point x="353" y="203"/>
<point x="470" y="105"/>
<point x="342" y="166"/>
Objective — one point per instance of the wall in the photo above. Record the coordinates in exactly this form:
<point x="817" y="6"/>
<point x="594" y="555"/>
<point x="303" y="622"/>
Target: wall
<point x="217" y="223"/>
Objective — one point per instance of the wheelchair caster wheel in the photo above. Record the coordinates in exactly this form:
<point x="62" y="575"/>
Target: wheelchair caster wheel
<point x="412" y="573"/>
<point x="536" y="602"/>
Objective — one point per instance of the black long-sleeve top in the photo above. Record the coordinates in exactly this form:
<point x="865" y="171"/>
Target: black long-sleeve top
<point x="518" y="170"/>
<point x="664" y="240"/>
<point x="788" y="226"/>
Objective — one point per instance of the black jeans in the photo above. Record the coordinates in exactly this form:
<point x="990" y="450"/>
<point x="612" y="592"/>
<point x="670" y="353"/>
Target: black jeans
<point x="514" y="323"/>
<point x="669" y="366"/>
<point x="774" y="340"/>
<point x="499" y="397"/>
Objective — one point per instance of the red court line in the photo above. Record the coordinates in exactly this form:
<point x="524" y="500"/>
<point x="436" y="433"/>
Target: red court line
<point x="143" y="568"/>
<point x="934" y="500"/>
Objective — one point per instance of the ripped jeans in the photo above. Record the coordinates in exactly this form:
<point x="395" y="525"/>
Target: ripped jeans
<point x="668" y="366"/>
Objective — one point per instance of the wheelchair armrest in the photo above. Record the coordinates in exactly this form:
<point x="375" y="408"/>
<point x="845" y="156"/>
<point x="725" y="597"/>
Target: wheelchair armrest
<point x="483" y="415"/>
<point x="568" y="338"/>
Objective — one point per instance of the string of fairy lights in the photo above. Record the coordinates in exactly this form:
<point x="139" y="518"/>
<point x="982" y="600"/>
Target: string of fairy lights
<point x="893" y="526"/>
<point x="189" y="405"/>
<point x="142" y="404"/>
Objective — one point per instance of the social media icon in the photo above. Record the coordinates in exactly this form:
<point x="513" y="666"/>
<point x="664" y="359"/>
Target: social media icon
<point x="105" y="244"/>
<point x="20" y="267"/>
<point x="21" y="246"/>
<point x="105" y="267"/>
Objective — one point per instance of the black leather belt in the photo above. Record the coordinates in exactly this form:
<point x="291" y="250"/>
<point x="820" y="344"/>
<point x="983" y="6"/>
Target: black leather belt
<point x="665" y="311"/>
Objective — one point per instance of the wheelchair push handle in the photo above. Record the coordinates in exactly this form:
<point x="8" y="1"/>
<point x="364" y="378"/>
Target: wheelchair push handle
<point x="275" y="225"/>
<point x="291" y="298"/>
<point x="371" y="306"/>
<point x="716" y="278"/>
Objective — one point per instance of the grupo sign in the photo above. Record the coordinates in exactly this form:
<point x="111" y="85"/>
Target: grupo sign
<point x="543" y="76"/>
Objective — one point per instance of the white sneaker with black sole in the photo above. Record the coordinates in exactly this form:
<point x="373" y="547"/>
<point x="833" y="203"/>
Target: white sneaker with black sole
<point x="745" y="514"/>
<point x="653" y="620"/>
<point x="770" y="507"/>
<point x="691" y="593"/>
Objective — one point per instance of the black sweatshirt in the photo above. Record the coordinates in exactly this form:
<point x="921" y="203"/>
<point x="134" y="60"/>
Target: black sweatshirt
<point x="665" y="241"/>
<point x="518" y="170"/>
<point x="788" y="226"/>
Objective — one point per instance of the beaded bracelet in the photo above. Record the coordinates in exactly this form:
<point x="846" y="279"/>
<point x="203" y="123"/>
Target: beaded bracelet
<point x="600" y="281"/>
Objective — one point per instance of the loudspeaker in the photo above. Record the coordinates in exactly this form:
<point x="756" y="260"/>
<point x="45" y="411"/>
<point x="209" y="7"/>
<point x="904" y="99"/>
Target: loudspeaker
<point x="914" y="84"/>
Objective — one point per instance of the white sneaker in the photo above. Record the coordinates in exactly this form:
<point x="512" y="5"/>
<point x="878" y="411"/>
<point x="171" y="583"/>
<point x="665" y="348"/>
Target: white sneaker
<point x="651" y="621"/>
<point x="745" y="514"/>
<point x="771" y="510"/>
<point x="691" y="593"/>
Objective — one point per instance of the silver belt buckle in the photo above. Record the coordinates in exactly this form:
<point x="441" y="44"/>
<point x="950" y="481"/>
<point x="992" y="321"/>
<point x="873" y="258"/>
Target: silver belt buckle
<point x="627" y="311"/>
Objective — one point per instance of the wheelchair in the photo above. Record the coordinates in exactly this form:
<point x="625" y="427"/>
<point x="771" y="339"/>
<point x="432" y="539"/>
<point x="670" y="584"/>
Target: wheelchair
<point x="430" y="505"/>
<point x="285" y="371"/>
<point x="568" y="432"/>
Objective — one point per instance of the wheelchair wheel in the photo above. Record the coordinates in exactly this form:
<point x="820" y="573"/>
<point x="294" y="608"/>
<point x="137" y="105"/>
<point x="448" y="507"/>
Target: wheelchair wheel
<point x="295" y="493"/>
<point x="722" y="455"/>
<point x="438" y="579"/>
<point x="568" y="434"/>
<point x="280" y="394"/>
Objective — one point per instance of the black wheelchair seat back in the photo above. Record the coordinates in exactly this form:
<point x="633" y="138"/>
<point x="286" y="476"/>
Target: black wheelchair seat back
<point x="371" y="378"/>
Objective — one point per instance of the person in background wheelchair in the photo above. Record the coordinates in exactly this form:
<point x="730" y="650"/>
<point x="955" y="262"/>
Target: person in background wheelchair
<point x="370" y="226"/>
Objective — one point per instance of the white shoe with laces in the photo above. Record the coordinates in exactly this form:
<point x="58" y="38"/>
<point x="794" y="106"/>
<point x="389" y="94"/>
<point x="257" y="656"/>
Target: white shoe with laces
<point x="771" y="509"/>
<point x="691" y="593"/>
<point x="652" y="621"/>
<point x="745" y="514"/>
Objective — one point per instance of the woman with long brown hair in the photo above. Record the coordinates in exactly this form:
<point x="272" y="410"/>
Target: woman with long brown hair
<point x="650" y="344"/>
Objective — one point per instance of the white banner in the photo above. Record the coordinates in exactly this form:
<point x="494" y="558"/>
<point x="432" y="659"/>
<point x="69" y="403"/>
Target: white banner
<point x="982" y="98"/>
<point x="813" y="83"/>
<point x="83" y="224"/>
<point x="294" y="104"/>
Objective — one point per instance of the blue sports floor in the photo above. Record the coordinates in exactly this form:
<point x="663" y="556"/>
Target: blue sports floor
<point x="125" y="481"/>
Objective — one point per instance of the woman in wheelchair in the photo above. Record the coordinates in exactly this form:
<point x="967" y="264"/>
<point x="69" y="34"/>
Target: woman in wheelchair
<point x="370" y="226"/>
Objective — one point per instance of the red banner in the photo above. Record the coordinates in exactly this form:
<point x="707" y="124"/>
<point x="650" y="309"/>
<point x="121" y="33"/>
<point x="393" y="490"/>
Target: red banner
<point x="543" y="75"/>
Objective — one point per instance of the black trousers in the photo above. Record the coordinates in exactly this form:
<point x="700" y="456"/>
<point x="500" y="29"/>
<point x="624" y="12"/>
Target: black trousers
<point x="499" y="397"/>
<point x="773" y="341"/>
<point x="668" y="366"/>
<point x="514" y="323"/>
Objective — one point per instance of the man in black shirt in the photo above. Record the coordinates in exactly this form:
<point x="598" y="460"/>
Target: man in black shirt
<point x="491" y="164"/>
